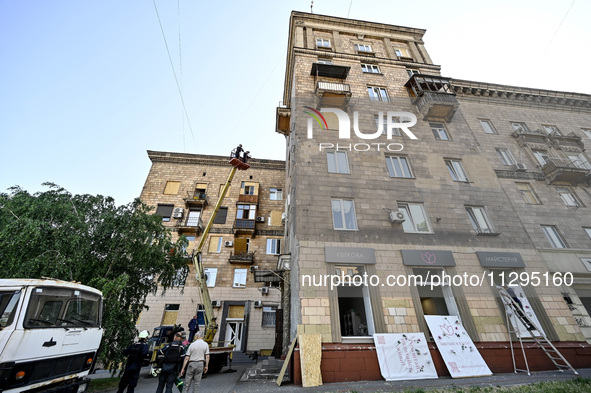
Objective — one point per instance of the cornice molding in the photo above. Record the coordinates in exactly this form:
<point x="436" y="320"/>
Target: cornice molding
<point x="521" y="96"/>
<point x="204" y="159"/>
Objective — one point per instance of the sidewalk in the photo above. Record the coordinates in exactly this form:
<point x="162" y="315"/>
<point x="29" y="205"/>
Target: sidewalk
<point x="230" y="382"/>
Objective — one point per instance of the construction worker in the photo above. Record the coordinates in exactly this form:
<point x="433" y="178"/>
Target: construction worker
<point x="136" y="353"/>
<point x="237" y="151"/>
<point x="196" y="363"/>
<point x="245" y="156"/>
<point x="193" y="328"/>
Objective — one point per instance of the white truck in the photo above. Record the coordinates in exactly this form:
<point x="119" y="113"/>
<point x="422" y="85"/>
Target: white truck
<point x="50" y="332"/>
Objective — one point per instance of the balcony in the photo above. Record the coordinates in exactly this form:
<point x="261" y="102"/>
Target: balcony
<point x="198" y="199"/>
<point x="243" y="226"/>
<point x="248" y="198"/>
<point x="433" y="95"/>
<point x="282" y="120"/>
<point x="563" y="169"/>
<point x="242" y="258"/>
<point x="333" y="94"/>
<point x="330" y="70"/>
<point x="191" y="225"/>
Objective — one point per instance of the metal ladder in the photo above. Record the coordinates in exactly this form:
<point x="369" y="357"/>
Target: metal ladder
<point x="540" y="339"/>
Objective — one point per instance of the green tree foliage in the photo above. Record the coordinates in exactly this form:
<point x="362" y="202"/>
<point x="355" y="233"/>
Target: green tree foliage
<point x="124" y="251"/>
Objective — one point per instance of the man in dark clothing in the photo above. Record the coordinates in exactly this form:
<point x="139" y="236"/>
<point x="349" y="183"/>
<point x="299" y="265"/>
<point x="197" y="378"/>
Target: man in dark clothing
<point x="193" y="328"/>
<point x="136" y="354"/>
<point x="237" y="151"/>
<point x="173" y="356"/>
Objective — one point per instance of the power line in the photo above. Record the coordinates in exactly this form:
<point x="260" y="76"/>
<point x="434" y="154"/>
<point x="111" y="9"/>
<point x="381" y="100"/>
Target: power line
<point x="178" y="5"/>
<point x="558" y="28"/>
<point x="174" y="73"/>
<point x="350" y="4"/>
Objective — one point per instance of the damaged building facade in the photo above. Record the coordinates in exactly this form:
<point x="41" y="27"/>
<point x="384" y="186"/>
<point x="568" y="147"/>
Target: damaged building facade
<point x="491" y="182"/>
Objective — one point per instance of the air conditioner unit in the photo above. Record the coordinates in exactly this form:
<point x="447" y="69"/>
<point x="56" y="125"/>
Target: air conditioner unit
<point x="260" y="219"/>
<point x="396" y="216"/>
<point x="519" y="167"/>
<point x="229" y="244"/>
<point x="258" y="303"/>
<point x="216" y="303"/>
<point x="265" y="290"/>
<point x="178" y="212"/>
<point x="253" y="268"/>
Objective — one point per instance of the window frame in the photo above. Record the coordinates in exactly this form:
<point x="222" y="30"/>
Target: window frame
<point x="240" y="276"/>
<point x="553" y="129"/>
<point x="436" y="130"/>
<point x="487" y="126"/>
<point x="163" y="208"/>
<point x="335" y="161"/>
<point x="368" y="68"/>
<point x="505" y="153"/>
<point x="587" y="132"/>
<point x="559" y="241"/>
<point x="378" y="93"/>
<point x="265" y="321"/>
<point x="587" y="231"/>
<point x="365" y="48"/>
<point x="324" y="60"/>
<point x="240" y="207"/>
<point x="323" y="41"/>
<point x="410" y="218"/>
<point x="392" y="168"/>
<point x="211" y="274"/>
<point x="519" y="126"/>
<point x="273" y="246"/>
<point x="530" y="191"/>
<point x="341" y="202"/>
<point x="275" y="194"/>
<point x="479" y="222"/>
<point x="456" y="170"/>
<point x="568" y="196"/>
<point x="395" y="119"/>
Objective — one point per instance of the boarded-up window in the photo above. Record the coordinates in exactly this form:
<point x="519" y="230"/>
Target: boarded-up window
<point x="172" y="187"/>
<point x="220" y="218"/>
<point x="240" y="246"/>
<point x="171" y="311"/>
<point x="215" y="243"/>
<point x="236" y="312"/>
<point x="275" y="219"/>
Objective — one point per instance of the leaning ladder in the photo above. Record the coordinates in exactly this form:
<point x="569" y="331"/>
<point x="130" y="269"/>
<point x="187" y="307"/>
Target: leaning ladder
<point x="540" y="339"/>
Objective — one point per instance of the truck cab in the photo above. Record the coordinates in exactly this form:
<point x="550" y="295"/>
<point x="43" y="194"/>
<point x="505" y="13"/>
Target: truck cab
<point x="50" y="332"/>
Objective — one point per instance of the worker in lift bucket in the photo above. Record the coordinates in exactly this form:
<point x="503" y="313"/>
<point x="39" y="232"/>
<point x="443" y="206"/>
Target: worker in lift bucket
<point x="237" y="151"/>
<point x="245" y="156"/>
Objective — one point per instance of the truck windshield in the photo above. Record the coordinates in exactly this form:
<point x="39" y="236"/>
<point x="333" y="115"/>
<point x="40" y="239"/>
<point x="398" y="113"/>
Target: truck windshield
<point x="62" y="307"/>
<point x="8" y="302"/>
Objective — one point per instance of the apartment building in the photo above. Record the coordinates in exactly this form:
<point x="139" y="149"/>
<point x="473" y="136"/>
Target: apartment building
<point x="393" y="169"/>
<point x="239" y="256"/>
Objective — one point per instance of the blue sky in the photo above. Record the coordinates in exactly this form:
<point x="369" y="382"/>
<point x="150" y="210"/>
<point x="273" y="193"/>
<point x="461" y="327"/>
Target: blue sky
<point x="86" y="87"/>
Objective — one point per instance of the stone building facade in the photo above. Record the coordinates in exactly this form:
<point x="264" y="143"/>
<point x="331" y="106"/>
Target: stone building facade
<point x="240" y="253"/>
<point x="492" y="181"/>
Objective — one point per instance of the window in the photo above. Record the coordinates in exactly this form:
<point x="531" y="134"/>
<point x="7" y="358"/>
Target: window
<point x="439" y="131"/>
<point x="343" y="214"/>
<point x="551" y="129"/>
<point x="506" y="156"/>
<point x="580" y="161"/>
<point x="479" y="219"/>
<point x="172" y="187"/>
<point x="587" y="131"/>
<point x="412" y="72"/>
<point x="246" y="212"/>
<point x="215" y="243"/>
<point x="8" y="306"/>
<point x="323" y="42"/>
<point x="456" y="170"/>
<point x="273" y="246"/>
<point x="363" y="48"/>
<point x="194" y="218"/>
<point x="588" y="232"/>
<point x="322" y="60"/>
<point x="528" y="193"/>
<point x="180" y="277"/>
<point x="220" y="218"/>
<point x="398" y="52"/>
<point x="487" y="126"/>
<point x="398" y="166"/>
<point x="276" y="194"/>
<point x="554" y="237"/>
<point x="337" y="162"/>
<point x="354" y="306"/>
<point x="541" y="156"/>
<point x="436" y="299"/>
<point x="568" y="196"/>
<point x="384" y="123"/>
<point x="415" y="218"/>
<point x="211" y="273"/>
<point x="268" y="316"/>
<point x="239" y="278"/>
<point x="370" y="68"/>
<point x="377" y="93"/>
<point x="520" y="127"/>
<point x="165" y="211"/>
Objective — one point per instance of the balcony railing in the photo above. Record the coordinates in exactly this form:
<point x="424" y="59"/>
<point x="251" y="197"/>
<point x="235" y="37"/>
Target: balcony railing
<point x="333" y="94"/>
<point x="244" y="224"/>
<point x="563" y="169"/>
<point x="243" y="258"/>
<point x="198" y="198"/>
<point x="192" y="224"/>
<point x="434" y="96"/>
<point x="248" y="198"/>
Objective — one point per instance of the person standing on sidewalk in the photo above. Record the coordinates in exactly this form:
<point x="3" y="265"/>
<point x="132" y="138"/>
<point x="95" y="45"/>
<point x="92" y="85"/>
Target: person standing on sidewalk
<point x="172" y="358"/>
<point x="136" y="354"/>
<point x="196" y="363"/>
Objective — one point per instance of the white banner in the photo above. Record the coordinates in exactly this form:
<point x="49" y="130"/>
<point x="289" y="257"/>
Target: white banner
<point x="459" y="353"/>
<point x="404" y="356"/>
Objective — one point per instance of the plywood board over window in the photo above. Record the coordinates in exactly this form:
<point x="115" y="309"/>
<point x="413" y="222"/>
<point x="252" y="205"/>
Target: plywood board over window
<point x="240" y="246"/>
<point x="236" y="312"/>
<point x="172" y="187"/>
<point x="275" y="219"/>
<point x="310" y="356"/>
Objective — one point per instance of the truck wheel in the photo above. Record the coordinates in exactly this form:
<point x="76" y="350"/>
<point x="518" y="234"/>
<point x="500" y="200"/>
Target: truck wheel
<point x="216" y="362"/>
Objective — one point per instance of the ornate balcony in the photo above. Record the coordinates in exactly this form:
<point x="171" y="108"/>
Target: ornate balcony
<point x="242" y="258"/>
<point x="563" y="169"/>
<point x="242" y="226"/>
<point x="433" y="95"/>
